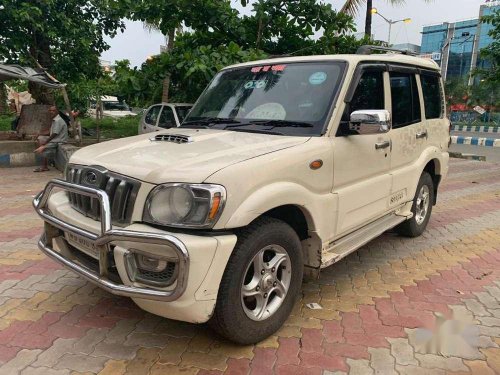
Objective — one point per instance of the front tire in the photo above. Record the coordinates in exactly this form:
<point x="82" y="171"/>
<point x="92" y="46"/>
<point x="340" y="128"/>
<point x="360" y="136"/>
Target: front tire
<point x="421" y="208"/>
<point x="261" y="282"/>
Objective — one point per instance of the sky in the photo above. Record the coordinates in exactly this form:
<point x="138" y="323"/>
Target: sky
<point x="136" y="43"/>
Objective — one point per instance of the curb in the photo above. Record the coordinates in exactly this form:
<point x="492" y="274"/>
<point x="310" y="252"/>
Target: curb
<point x="459" y="155"/>
<point x="475" y="141"/>
<point x="475" y="128"/>
<point x="21" y="159"/>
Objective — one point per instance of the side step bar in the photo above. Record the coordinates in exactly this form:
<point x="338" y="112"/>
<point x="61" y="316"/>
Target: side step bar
<point x="342" y="247"/>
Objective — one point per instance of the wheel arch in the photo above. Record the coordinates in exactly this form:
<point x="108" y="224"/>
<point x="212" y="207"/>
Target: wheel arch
<point x="433" y="167"/>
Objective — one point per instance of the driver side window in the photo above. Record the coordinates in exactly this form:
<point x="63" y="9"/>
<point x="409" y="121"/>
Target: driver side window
<point x="152" y="115"/>
<point x="369" y="93"/>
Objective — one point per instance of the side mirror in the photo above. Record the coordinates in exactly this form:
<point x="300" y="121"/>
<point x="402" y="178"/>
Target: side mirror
<point x="369" y="121"/>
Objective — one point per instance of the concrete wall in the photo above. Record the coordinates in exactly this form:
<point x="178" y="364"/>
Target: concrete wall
<point x="20" y="154"/>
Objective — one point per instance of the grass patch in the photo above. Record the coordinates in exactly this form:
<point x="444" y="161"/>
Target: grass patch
<point x="6" y="122"/>
<point x="112" y="128"/>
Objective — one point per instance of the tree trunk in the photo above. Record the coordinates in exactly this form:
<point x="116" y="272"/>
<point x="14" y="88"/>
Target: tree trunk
<point x="171" y="39"/>
<point x="4" y="109"/>
<point x="166" y="80"/>
<point x="368" y="22"/>
<point x="40" y="51"/>
<point x="166" y="87"/>
<point x="259" y="32"/>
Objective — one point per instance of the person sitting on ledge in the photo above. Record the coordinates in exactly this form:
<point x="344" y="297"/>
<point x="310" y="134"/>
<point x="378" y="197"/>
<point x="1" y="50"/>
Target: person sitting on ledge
<point x="48" y="146"/>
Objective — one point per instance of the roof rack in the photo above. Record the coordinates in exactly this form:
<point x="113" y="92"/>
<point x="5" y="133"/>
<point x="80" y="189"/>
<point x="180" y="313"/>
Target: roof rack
<point x="367" y="50"/>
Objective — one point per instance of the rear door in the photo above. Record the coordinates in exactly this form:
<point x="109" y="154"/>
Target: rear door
<point x="436" y="124"/>
<point x="408" y="133"/>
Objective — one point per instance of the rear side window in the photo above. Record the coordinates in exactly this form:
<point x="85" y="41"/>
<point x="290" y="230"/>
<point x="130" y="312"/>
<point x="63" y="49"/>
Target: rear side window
<point x="432" y="96"/>
<point x="405" y="100"/>
<point x="152" y="115"/>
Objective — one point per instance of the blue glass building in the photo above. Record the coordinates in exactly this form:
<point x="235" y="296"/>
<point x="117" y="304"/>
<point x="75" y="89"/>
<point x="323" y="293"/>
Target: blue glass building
<point x="456" y="46"/>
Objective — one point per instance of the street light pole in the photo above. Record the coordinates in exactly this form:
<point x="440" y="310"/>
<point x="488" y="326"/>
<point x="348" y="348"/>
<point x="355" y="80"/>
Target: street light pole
<point x="390" y="22"/>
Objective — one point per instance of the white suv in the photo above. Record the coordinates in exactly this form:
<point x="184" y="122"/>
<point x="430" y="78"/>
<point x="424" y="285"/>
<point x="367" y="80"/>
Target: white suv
<point x="283" y="167"/>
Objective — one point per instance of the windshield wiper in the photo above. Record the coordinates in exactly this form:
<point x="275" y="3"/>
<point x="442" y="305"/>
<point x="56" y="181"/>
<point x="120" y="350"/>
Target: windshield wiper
<point x="208" y="122"/>
<point x="283" y="123"/>
<point x="260" y="131"/>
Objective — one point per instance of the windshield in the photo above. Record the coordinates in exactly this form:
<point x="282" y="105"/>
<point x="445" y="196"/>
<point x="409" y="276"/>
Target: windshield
<point x="295" y="97"/>
<point x="182" y="111"/>
<point x="115" y="106"/>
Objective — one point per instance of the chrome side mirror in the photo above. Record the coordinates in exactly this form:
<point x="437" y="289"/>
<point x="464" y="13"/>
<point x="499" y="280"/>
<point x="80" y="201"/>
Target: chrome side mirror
<point x="368" y="121"/>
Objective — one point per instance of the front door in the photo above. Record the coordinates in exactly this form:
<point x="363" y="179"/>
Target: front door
<point x="151" y="119"/>
<point x="361" y="177"/>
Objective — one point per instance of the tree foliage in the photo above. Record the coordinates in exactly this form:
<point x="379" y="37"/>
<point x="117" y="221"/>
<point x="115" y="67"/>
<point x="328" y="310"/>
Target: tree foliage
<point x="492" y="52"/>
<point x="65" y="37"/>
<point x="216" y="35"/>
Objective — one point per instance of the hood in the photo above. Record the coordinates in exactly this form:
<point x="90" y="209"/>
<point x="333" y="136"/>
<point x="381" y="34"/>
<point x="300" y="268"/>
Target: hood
<point x="164" y="161"/>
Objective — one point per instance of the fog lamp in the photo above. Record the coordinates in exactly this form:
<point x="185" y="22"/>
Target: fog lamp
<point x="150" y="269"/>
<point x="150" y="264"/>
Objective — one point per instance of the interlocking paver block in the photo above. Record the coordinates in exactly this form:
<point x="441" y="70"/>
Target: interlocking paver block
<point x="44" y="371"/>
<point x="87" y="343"/>
<point x="359" y="367"/>
<point x="368" y="300"/>
<point x="403" y="352"/>
<point x="204" y="361"/>
<point x="114" y="350"/>
<point x="22" y="360"/>
<point x="113" y="367"/>
<point x="445" y="363"/>
<point x="382" y="362"/>
<point x="81" y="362"/>
<point x="51" y="356"/>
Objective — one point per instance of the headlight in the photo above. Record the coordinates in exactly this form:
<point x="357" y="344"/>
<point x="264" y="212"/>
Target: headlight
<point x="185" y="205"/>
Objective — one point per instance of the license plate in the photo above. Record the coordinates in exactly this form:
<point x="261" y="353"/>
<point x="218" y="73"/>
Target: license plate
<point x="83" y="244"/>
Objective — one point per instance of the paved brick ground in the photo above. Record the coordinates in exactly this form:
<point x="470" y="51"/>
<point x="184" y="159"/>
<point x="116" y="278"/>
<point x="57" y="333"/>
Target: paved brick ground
<point x="429" y="305"/>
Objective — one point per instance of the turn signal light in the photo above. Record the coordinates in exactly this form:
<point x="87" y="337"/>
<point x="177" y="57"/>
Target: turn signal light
<point x="215" y="206"/>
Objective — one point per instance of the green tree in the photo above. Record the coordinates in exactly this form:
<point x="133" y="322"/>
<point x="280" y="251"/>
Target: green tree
<point x="208" y="16"/>
<point x="283" y="27"/>
<point x="65" y="37"/>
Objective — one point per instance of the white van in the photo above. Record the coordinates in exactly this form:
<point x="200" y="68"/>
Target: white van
<point x="110" y="107"/>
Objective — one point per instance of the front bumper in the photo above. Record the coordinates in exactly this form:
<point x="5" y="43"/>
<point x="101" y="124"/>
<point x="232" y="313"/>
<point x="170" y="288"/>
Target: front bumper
<point x="102" y="242"/>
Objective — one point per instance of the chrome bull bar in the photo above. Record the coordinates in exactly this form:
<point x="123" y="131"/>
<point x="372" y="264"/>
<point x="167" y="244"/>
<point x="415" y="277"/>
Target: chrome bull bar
<point x="102" y="242"/>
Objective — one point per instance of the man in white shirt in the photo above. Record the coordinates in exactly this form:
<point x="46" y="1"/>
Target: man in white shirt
<point x="58" y="135"/>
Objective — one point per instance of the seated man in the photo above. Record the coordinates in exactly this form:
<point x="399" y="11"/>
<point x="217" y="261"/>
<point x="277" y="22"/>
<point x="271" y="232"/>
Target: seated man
<point x="58" y="135"/>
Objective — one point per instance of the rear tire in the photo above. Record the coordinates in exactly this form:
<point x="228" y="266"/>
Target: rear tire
<point x="421" y="208"/>
<point x="260" y="284"/>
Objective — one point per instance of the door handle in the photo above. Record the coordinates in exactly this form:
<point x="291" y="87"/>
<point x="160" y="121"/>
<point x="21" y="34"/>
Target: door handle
<point x="381" y="145"/>
<point x="421" y="135"/>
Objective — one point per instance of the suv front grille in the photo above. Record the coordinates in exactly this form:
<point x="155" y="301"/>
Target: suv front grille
<point x="121" y="191"/>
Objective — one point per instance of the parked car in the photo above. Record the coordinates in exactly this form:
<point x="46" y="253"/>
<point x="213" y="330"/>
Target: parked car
<point x="163" y="116"/>
<point x="282" y="167"/>
<point x="110" y="107"/>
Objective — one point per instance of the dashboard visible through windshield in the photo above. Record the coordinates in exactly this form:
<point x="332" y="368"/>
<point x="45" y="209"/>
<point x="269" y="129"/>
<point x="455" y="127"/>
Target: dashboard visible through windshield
<point x="289" y="99"/>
